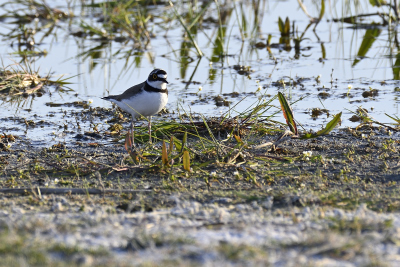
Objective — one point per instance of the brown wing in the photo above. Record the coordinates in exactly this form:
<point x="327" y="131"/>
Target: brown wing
<point x="128" y="93"/>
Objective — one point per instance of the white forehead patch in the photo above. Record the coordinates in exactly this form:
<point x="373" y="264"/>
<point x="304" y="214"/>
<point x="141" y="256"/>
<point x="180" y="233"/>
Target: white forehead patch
<point x="162" y="76"/>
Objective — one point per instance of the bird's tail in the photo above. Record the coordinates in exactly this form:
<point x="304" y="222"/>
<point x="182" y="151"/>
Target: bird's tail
<point x="110" y="97"/>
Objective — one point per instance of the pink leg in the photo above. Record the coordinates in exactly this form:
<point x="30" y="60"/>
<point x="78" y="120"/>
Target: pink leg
<point x="150" y="129"/>
<point x="132" y="133"/>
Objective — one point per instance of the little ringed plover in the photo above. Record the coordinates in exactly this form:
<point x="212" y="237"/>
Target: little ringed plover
<point x="144" y="99"/>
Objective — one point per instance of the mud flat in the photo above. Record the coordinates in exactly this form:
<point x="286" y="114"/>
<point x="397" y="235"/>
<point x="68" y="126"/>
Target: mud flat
<point x="329" y="201"/>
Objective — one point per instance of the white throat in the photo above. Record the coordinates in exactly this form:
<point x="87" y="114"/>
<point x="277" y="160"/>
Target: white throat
<point x="157" y="84"/>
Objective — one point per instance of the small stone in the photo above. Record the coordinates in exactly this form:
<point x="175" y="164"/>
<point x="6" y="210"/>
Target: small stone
<point x="83" y="260"/>
<point x="57" y="207"/>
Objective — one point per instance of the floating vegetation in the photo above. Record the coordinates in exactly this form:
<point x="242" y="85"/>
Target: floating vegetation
<point x="243" y="70"/>
<point x="220" y="101"/>
<point x="324" y="95"/>
<point x="22" y="79"/>
<point x="370" y="93"/>
<point x="316" y="112"/>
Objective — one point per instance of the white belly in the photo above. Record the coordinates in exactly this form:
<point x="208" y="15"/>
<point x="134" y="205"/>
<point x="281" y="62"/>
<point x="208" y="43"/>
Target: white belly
<point x="144" y="103"/>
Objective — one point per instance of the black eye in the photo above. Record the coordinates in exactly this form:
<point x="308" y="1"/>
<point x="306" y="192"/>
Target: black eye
<point x="155" y="76"/>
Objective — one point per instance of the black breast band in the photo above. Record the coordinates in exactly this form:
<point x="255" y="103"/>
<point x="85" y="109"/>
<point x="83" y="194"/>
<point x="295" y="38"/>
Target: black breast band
<point x="149" y="88"/>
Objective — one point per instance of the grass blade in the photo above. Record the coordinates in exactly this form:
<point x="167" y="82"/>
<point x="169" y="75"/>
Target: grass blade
<point x="128" y="142"/>
<point x="186" y="29"/>
<point x="368" y="40"/>
<point x="200" y="15"/>
<point x="164" y="154"/>
<point x="397" y="119"/>
<point x="329" y="127"/>
<point x="287" y="113"/>
<point x="184" y="140"/>
<point x="171" y="145"/>
<point x="238" y="139"/>
<point x="186" y="160"/>
<point x="322" y="11"/>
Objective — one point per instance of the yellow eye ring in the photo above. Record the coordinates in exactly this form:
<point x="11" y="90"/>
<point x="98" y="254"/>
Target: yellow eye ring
<point x="154" y="76"/>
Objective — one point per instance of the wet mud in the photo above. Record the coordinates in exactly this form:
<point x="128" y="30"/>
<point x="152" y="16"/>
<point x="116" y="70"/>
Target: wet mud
<point x="112" y="209"/>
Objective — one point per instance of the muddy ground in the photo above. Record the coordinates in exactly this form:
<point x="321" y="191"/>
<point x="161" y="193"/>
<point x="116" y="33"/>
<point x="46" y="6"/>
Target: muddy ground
<point x="328" y="201"/>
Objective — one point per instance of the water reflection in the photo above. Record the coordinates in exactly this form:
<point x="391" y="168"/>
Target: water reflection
<point x="111" y="45"/>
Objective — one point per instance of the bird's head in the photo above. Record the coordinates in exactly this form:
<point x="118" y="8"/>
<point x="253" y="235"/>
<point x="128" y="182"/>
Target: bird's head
<point x="158" y="79"/>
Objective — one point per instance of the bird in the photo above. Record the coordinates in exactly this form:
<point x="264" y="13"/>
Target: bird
<point x="144" y="99"/>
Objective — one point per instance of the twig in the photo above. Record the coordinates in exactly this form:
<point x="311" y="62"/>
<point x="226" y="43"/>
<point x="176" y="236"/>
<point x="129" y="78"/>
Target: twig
<point x="283" y="137"/>
<point x="31" y="90"/>
<point x="63" y="191"/>
<point x="303" y="7"/>
<point x="271" y="157"/>
<point x="357" y="16"/>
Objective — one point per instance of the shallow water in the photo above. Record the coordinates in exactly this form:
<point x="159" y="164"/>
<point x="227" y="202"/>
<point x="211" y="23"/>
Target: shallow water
<point x="102" y="67"/>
